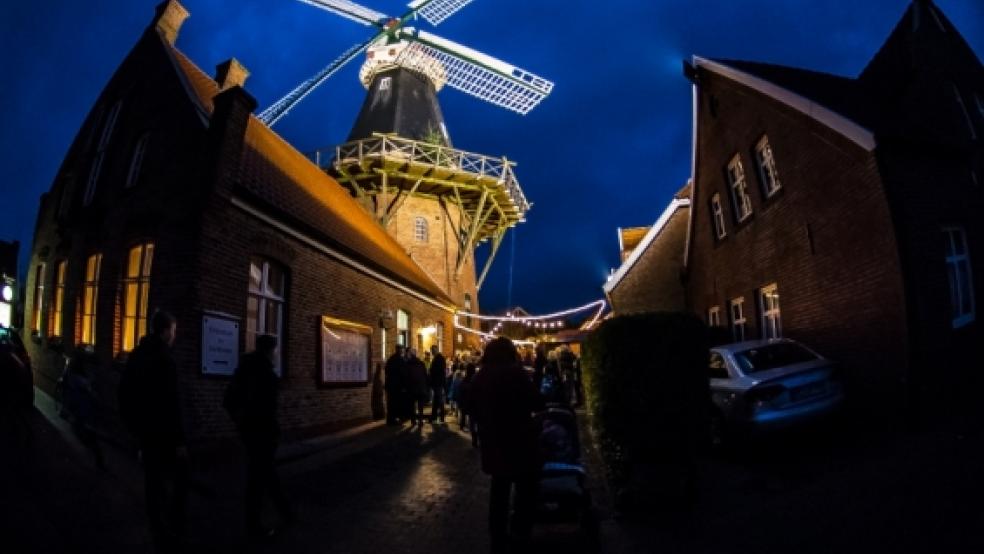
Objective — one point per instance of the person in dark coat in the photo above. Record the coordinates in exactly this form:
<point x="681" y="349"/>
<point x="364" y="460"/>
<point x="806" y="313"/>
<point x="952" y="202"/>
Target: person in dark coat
<point x="438" y="377"/>
<point x="465" y="402"/>
<point x="504" y="400"/>
<point x="395" y="387"/>
<point x="252" y="402"/>
<point x="417" y="388"/>
<point x="150" y="408"/>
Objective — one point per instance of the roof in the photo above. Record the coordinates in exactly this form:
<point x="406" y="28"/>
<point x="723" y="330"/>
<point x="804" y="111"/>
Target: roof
<point x="654" y="231"/>
<point x="274" y="172"/>
<point x="629" y="238"/>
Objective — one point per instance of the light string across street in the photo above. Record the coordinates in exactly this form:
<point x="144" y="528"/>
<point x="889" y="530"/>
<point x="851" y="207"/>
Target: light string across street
<point x="536" y="321"/>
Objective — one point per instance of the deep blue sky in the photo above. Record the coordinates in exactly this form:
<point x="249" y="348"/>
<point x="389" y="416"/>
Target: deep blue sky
<point x="608" y="148"/>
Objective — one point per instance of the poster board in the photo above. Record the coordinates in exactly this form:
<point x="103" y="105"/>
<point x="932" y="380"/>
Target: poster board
<point x="345" y="353"/>
<point x="220" y="345"/>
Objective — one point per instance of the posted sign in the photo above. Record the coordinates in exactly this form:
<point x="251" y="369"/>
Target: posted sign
<point x="220" y="345"/>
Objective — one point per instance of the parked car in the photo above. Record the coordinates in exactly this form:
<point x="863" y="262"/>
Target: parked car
<point x="764" y="385"/>
<point x="16" y="378"/>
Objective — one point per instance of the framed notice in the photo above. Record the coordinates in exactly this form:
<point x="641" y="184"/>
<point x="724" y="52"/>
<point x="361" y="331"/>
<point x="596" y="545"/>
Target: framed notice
<point x="220" y="345"/>
<point x="345" y="352"/>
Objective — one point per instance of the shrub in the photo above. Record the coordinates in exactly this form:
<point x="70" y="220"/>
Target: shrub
<point x="647" y="384"/>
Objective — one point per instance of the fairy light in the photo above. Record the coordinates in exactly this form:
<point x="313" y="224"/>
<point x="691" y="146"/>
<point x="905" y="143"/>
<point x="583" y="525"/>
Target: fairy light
<point x="599" y="303"/>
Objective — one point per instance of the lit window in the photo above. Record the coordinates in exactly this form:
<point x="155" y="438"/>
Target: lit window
<point x="440" y="336"/>
<point x="265" y="305"/>
<point x="97" y="161"/>
<point x="58" y="300"/>
<point x="739" y="189"/>
<point x="136" y="292"/>
<point x="136" y="162"/>
<point x="384" y="83"/>
<point x="402" y="328"/>
<point x="420" y="229"/>
<point x="769" y="308"/>
<point x="90" y="294"/>
<point x="960" y="277"/>
<point x="468" y="309"/>
<point x="714" y="317"/>
<point x="738" y="319"/>
<point x="717" y="211"/>
<point x="963" y="109"/>
<point x="38" y="299"/>
<point x="766" y="167"/>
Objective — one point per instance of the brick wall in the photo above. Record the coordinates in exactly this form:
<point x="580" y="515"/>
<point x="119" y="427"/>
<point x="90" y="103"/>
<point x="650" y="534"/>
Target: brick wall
<point x="654" y="281"/>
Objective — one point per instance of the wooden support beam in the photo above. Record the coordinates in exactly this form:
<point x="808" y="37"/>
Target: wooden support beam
<point x="475" y="224"/>
<point x="398" y="202"/>
<point x="496" y="241"/>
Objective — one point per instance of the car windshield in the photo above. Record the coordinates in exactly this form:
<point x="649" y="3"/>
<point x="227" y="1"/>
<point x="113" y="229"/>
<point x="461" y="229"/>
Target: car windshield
<point x="772" y="356"/>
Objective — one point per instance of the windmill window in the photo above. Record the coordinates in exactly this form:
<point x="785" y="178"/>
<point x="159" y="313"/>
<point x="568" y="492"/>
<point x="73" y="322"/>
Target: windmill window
<point x="468" y="309"/>
<point x="384" y="83"/>
<point x="738" y="320"/>
<point x="97" y="161"/>
<point x="420" y="229"/>
<point x="959" y="275"/>
<point x="739" y="189"/>
<point x="136" y="162"/>
<point x="766" y="167"/>
<point x="717" y="211"/>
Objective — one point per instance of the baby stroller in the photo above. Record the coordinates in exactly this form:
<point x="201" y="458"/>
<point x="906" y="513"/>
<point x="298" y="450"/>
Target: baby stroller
<point x="563" y="497"/>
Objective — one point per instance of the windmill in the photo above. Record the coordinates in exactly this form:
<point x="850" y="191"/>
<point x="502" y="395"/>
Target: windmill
<point x="398" y="160"/>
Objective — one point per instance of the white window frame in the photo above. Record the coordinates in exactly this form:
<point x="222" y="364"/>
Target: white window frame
<point x="265" y="296"/>
<point x="738" y="184"/>
<point x="961" y="283"/>
<point x="136" y="162"/>
<point x="963" y="108"/>
<point x="739" y="322"/>
<point x="717" y="213"/>
<point x="714" y="316"/>
<point x="384" y="83"/>
<point x="768" y="300"/>
<point x="97" y="162"/>
<point x="440" y="336"/>
<point x="421" y="233"/>
<point x="403" y="328"/>
<point x="766" y="162"/>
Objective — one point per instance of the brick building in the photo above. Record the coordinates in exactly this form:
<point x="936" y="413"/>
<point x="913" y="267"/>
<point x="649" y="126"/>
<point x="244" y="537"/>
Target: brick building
<point x="650" y="278"/>
<point x="174" y="196"/>
<point x="857" y="201"/>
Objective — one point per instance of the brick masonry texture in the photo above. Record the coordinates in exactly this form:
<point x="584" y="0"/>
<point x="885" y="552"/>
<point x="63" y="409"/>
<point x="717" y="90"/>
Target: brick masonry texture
<point x="655" y="281"/>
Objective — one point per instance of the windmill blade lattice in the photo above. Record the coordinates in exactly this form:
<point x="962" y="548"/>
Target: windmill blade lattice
<point x="475" y="73"/>
<point x="350" y="10"/>
<point x="436" y="11"/>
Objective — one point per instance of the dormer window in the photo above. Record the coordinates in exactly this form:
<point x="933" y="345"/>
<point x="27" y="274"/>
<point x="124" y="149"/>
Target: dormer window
<point x="766" y="163"/>
<point x="739" y="189"/>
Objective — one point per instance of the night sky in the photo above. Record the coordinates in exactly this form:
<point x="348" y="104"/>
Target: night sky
<point x="608" y="148"/>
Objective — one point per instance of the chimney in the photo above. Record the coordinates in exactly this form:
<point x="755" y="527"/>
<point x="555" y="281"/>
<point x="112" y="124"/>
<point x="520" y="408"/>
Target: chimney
<point x="230" y="73"/>
<point x="168" y="17"/>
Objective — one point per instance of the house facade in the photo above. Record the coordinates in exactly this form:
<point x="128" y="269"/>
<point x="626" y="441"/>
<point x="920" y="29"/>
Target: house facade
<point x="174" y="196"/>
<point x="845" y="212"/>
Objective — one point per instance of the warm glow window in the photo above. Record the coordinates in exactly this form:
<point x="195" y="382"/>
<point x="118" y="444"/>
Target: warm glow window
<point x="739" y="189"/>
<point x="738" y="320"/>
<point x="766" y="167"/>
<point x="402" y="328"/>
<point x="769" y="308"/>
<point x="717" y="212"/>
<point x="265" y="305"/>
<point x="38" y="299"/>
<point x="90" y="294"/>
<point x="58" y="300"/>
<point x="440" y="336"/>
<point x="960" y="277"/>
<point x="136" y="293"/>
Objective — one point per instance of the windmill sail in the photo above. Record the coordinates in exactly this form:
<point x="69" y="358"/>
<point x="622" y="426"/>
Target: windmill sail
<point x="436" y="11"/>
<point x="350" y="10"/>
<point x="475" y="73"/>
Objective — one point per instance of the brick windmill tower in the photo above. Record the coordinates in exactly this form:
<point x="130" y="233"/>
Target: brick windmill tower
<point x="439" y="202"/>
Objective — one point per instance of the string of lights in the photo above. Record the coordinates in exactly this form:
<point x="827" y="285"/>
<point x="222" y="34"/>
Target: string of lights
<point x="533" y="318"/>
<point x="490" y="336"/>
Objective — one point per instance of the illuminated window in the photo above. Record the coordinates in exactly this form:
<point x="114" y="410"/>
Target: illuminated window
<point x="136" y="162"/>
<point x="265" y="305"/>
<point x="420" y="229"/>
<point x="739" y="189"/>
<point x="738" y="319"/>
<point x="58" y="300"/>
<point x="768" y="300"/>
<point x="384" y="83"/>
<point x="402" y="328"/>
<point x="714" y="317"/>
<point x="468" y="308"/>
<point x="718" y="213"/>
<point x="440" y="336"/>
<point x="38" y="299"/>
<point x="959" y="275"/>
<point x="90" y="294"/>
<point x="766" y="167"/>
<point x="136" y="291"/>
<point x="97" y="161"/>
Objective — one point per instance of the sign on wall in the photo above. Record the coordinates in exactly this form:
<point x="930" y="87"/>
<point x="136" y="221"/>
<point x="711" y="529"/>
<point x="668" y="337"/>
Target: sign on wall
<point x="345" y="352"/>
<point x="220" y="345"/>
